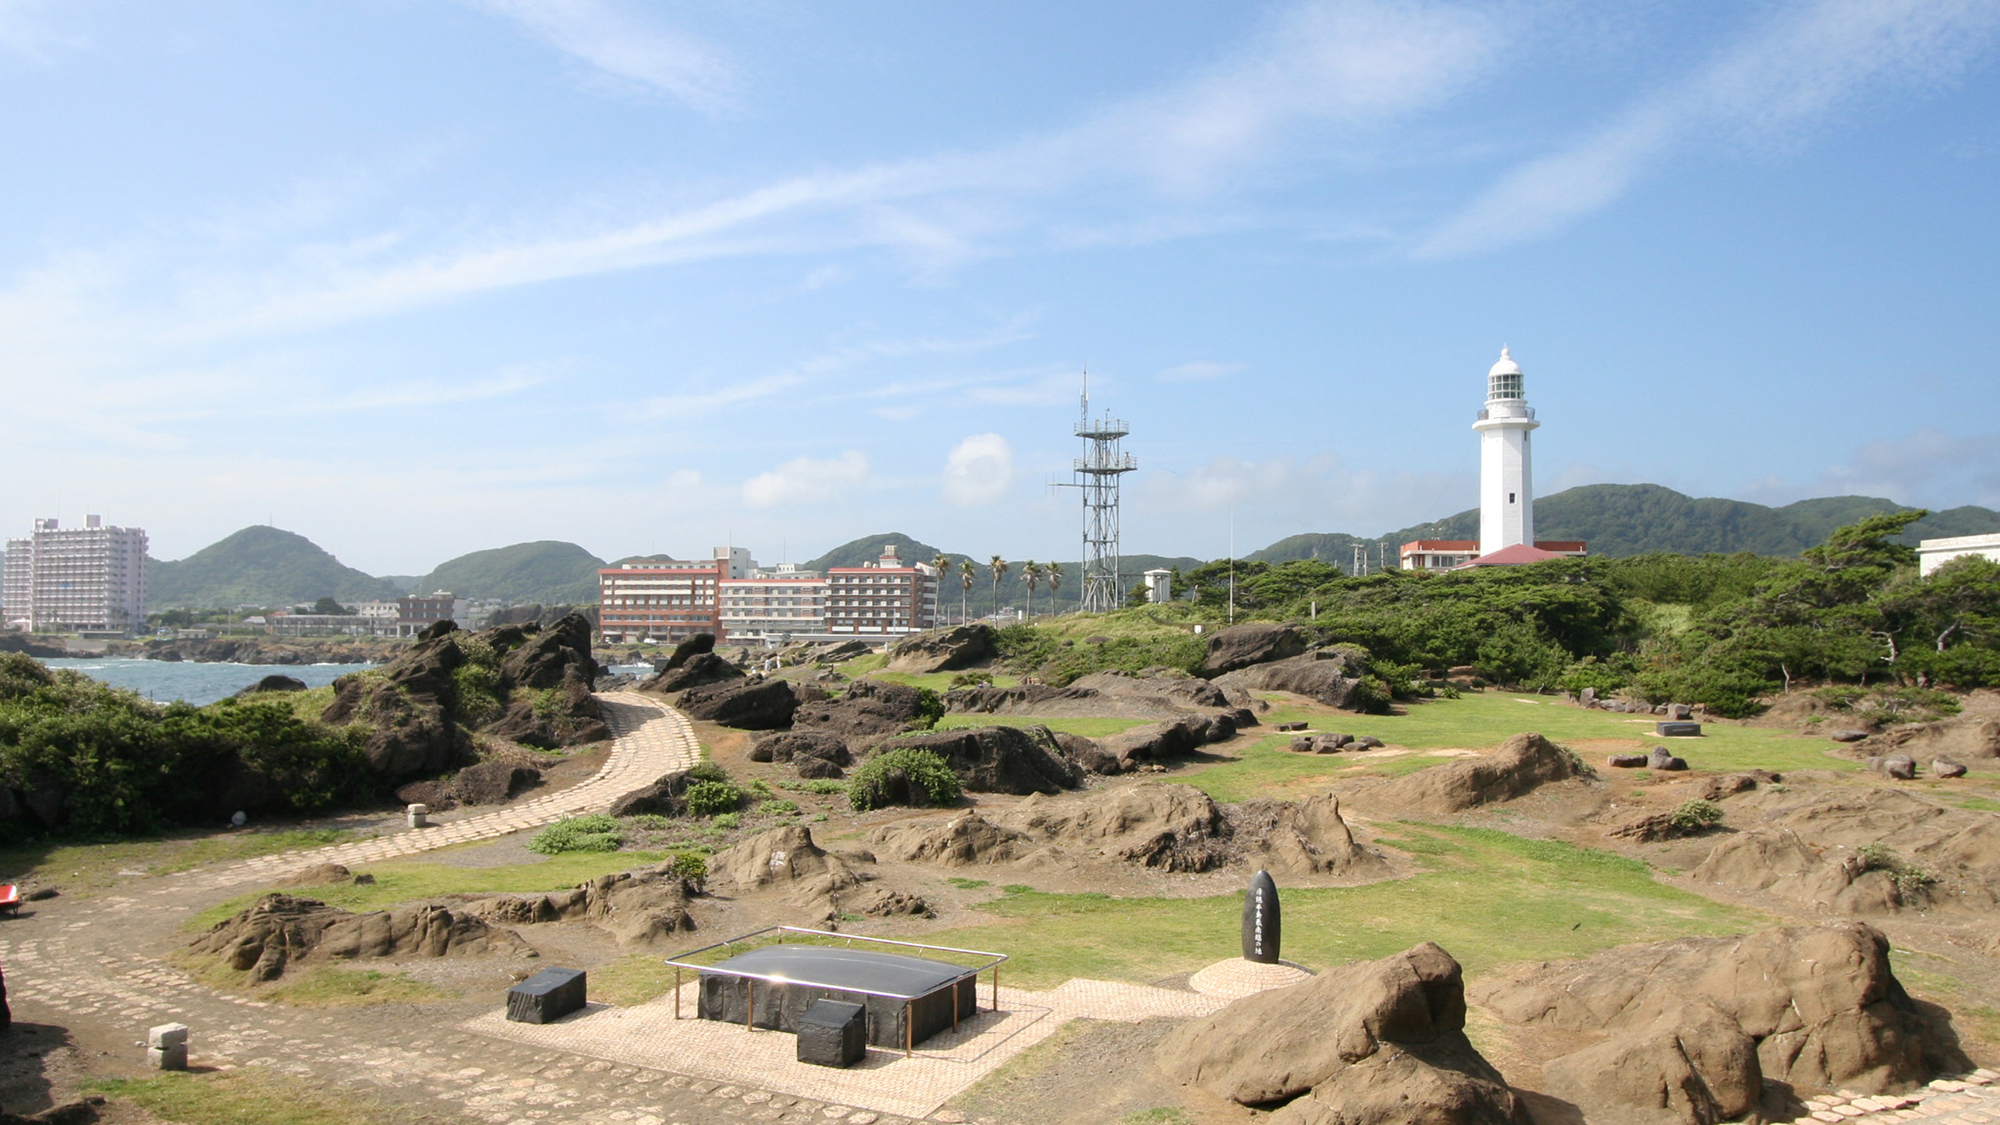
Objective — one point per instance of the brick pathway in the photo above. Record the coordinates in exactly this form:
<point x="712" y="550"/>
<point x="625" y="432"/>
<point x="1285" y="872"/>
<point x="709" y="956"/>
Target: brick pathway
<point x="651" y="739"/>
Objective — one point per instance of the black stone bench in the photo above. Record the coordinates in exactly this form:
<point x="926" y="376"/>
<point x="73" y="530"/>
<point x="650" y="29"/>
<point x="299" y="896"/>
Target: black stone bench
<point x="546" y="997"/>
<point x="833" y="1033"/>
<point x="1677" y="730"/>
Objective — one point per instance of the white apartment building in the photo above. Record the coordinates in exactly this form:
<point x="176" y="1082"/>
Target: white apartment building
<point x="89" y="579"/>
<point x="885" y="597"/>
<point x="772" y="606"/>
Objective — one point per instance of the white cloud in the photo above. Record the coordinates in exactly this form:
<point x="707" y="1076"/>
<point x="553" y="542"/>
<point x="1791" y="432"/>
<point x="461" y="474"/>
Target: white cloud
<point x="1199" y="371"/>
<point x="978" y="470"/>
<point x="1923" y="468"/>
<point x="803" y="480"/>
<point x="1805" y="63"/>
<point x="622" y="42"/>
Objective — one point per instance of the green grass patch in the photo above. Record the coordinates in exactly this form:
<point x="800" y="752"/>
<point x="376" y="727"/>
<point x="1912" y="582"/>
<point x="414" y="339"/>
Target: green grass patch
<point x="411" y="881"/>
<point x="1488" y="897"/>
<point x="324" y="986"/>
<point x="310" y="704"/>
<point x="965" y="884"/>
<point x="84" y="867"/>
<point x="1980" y="804"/>
<point x="632" y="979"/>
<point x="246" y="1096"/>
<point x="1088" y="727"/>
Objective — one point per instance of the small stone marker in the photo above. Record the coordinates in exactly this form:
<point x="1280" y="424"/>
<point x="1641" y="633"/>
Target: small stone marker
<point x="832" y="1033"/>
<point x="547" y="996"/>
<point x="1260" y="920"/>
<point x="167" y="1047"/>
<point x="420" y="816"/>
<point x="1626" y="761"/>
<point x="1677" y="730"/>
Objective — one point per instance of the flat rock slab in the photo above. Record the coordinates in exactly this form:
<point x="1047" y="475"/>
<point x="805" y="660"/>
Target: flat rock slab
<point x="547" y="996"/>
<point x="1677" y="730"/>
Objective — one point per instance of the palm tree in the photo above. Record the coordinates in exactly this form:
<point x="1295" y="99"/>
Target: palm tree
<point x="999" y="569"/>
<point x="1053" y="572"/>
<point x="1031" y="573"/>
<point x="966" y="571"/>
<point x="943" y="567"/>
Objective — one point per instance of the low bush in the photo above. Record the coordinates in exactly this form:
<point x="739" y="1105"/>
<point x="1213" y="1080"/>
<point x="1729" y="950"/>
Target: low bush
<point x="906" y="775"/>
<point x="777" y="806"/>
<point x="1695" y="815"/>
<point x="712" y="798"/>
<point x="690" y="866"/>
<point x="725" y="822"/>
<point x="593" y="833"/>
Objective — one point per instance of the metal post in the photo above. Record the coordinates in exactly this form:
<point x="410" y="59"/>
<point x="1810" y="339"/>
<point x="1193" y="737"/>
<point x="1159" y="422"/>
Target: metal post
<point x="909" y="1032"/>
<point x="954" y="1006"/>
<point x="677" y="992"/>
<point x="749" y="1004"/>
<point x="996" y="988"/>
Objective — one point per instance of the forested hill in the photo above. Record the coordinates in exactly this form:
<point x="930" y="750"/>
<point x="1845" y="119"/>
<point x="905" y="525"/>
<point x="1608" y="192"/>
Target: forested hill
<point x="1636" y="519"/>
<point x="259" y="566"/>
<point x="545" y="572"/>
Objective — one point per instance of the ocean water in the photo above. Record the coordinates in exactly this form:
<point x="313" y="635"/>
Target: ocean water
<point x="167" y="680"/>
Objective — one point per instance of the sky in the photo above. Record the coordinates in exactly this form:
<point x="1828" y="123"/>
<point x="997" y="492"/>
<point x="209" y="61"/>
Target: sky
<point x="415" y="278"/>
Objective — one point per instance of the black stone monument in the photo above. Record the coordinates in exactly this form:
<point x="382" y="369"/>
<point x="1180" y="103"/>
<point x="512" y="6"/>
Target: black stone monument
<point x="547" y="996"/>
<point x="832" y="1033"/>
<point x="1260" y="920"/>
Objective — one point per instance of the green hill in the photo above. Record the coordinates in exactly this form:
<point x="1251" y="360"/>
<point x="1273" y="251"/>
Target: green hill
<point x="545" y="572"/>
<point x="1636" y="519"/>
<point x="259" y="566"/>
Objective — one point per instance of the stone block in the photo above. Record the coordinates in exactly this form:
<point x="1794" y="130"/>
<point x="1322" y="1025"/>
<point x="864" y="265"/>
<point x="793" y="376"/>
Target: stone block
<point x="167" y="1047"/>
<point x="832" y="1033"/>
<point x="1677" y="730"/>
<point x="547" y="996"/>
<point x="167" y="1035"/>
<point x="420" y="816"/>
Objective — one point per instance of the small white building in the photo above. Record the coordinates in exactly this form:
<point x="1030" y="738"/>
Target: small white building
<point x="1934" y="553"/>
<point x="1159" y="586"/>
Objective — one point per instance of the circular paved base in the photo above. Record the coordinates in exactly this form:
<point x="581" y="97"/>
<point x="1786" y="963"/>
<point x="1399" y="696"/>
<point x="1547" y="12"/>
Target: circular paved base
<point x="1236" y="978"/>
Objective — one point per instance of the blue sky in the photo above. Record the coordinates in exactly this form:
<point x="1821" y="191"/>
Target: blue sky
<point x="416" y="278"/>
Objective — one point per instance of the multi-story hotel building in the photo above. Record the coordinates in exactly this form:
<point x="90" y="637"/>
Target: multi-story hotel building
<point x="886" y="597"/>
<point x="666" y="601"/>
<point x="89" y="579"/>
<point x="772" y="606"/>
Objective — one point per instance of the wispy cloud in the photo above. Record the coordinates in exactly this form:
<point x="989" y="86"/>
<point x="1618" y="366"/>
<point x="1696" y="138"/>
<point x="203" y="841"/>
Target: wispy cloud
<point x="1764" y="91"/>
<point x="804" y="480"/>
<point x="617" y="40"/>
<point x="1198" y="371"/>
<point x="1925" y="467"/>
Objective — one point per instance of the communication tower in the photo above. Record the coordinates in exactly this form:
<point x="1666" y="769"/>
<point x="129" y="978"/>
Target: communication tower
<point x="1096" y="475"/>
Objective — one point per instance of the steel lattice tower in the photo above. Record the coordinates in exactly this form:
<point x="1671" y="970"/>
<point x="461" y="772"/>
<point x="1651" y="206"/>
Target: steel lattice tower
<point x="1097" y="473"/>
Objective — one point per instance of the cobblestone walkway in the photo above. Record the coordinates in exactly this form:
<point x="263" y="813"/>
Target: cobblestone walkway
<point x="651" y="739"/>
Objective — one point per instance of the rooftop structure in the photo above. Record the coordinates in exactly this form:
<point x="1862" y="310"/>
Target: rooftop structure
<point x="1934" y="553"/>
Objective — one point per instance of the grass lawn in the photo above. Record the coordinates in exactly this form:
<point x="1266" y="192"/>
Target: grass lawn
<point x="410" y="881"/>
<point x="85" y="867"/>
<point x="1477" y="720"/>
<point x="1088" y="727"/>
<point x="1488" y="897"/>
<point x="247" y="1096"/>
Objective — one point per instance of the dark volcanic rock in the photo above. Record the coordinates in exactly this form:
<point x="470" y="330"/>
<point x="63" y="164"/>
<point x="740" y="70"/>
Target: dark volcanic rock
<point x="1154" y="742"/>
<point x="410" y="709"/>
<point x="273" y="683"/>
<point x="786" y="746"/>
<point x="278" y="930"/>
<point x="868" y="709"/>
<point x="701" y="668"/>
<point x="1241" y="646"/>
<point x="1329" y="676"/>
<point x="701" y="644"/>
<point x="1017" y="760"/>
<point x="492" y="783"/>
<point x="747" y="704"/>
<point x="961" y="646"/>
<point x="547" y="659"/>
<point x="662" y="797"/>
<point x="1663" y="759"/>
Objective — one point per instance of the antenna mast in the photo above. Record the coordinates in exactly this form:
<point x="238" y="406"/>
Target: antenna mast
<point x="1097" y="473"/>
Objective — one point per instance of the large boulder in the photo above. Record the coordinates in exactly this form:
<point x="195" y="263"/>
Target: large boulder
<point x="1152" y="743"/>
<point x="278" y="930"/>
<point x="663" y="796"/>
<point x="642" y="907"/>
<point x="564" y="715"/>
<point x="493" y="783"/>
<point x="701" y="668"/>
<point x="963" y="839"/>
<point x="824" y="886"/>
<point x="1522" y="764"/>
<point x="547" y="657"/>
<point x="747" y="704"/>
<point x="1330" y="675"/>
<point x="1017" y="760"/>
<point x="947" y="650"/>
<point x="1687" y="1031"/>
<point x="1368" y="1043"/>
<point x="701" y="644"/>
<point x="867" y="710"/>
<point x="273" y="683"/>
<point x="786" y="746"/>
<point x="1258" y="642"/>
<point x="1171" y="827"/>
<point x="1307" y="837"/>
<point x="409" y="709"/>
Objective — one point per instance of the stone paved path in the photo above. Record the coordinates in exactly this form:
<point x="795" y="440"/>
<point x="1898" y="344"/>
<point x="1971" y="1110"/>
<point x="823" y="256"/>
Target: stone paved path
<point x="651" y="739"/>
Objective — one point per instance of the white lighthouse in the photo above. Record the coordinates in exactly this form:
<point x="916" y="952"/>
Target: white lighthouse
<point x="1506" y="479"/>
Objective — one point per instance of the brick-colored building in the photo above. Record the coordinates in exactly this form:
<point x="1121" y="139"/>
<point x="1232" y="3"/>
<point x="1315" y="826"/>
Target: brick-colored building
<point x="1447" y="554"/>
<point x="886" y="597"/>
<point x="667" y="601"/>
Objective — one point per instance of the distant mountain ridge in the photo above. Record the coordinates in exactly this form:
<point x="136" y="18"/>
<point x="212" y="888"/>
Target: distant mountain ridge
<point x="545" y="571"/>
<point x="259" y="566"/>
<point x="1618" y="520"/>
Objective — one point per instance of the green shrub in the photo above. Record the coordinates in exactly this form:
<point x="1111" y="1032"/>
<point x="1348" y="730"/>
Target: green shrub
<point x="905" y="775"/>
<point x="821" y="785"/>
<point x="728" y="821"/>
<point x="712" y="798"/>
<point x="689" y="866"/>
<point x="593" y="833"/>
<point x="1908" y="876"/>
<point x="650" y="820"/>
<point x="777" y="806"/>
<point x="707" y="770"/>
<point x="1695" y="815"/>
<point x="971" y="679"/>
<point x="930" y="708"/>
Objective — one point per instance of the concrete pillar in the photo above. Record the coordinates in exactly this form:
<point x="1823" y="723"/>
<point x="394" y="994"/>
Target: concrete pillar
<point x="420" y="816"/>
<point x="167" y="1047"/>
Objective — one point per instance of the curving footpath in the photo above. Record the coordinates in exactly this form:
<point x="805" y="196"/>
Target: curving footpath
<point x="650" y="739"/>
